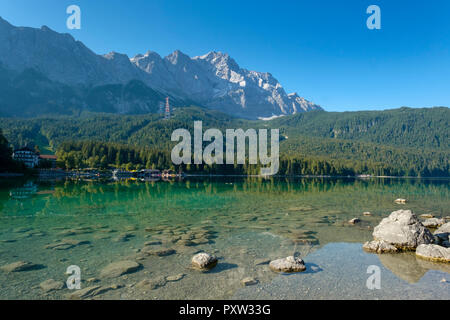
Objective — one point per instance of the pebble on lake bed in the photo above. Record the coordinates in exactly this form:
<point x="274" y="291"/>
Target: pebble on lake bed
<point x="162" y="252"/>
<point x="249" y="281"/>
<point x="116" y="269"/>
<point x="152" y="284"/>
<point x="51" y="285"/>
<point x="289" y="264"/>
<point x="175" y="277"/>
<point x="19" y="266"/>
<point x="204" y="261"/>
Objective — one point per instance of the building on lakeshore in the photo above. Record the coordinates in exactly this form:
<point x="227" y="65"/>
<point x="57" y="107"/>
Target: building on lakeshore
<point x="28" y="156"/>
<point x="50" y="158"/>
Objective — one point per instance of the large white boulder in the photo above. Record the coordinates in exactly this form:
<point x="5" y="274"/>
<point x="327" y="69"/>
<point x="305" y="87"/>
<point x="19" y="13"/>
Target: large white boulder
<point x="403" y="230"/>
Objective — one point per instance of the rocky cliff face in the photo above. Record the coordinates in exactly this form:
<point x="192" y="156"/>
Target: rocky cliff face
<point x="216" y="81"/>
<point x="213" y="80"/>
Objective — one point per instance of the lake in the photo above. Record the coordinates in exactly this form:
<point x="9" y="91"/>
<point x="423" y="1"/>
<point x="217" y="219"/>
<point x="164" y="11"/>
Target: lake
<point x="245" y="222"/>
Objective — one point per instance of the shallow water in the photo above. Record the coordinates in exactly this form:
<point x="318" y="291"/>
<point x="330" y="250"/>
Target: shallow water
<point x="242" y="221"/>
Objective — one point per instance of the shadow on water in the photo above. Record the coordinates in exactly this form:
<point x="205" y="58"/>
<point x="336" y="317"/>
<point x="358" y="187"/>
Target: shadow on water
<point x="312" y="268"/>
<point x="222" y="266"/>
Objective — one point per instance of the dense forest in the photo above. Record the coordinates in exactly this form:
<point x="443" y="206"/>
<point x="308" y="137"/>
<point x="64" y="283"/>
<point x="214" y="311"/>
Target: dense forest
<point x="88" y="154"/>
<point x="402" y="142"/>
<point x="6" y="161"/>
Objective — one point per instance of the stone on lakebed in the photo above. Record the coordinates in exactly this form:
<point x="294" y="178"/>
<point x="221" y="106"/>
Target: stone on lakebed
<point x="204" y="261"/>
<point x="289" y="264"/>
<point x="116" y="269"/>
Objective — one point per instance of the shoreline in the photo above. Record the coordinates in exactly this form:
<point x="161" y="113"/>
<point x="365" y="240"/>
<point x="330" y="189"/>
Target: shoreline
<point x="68" y="173"/>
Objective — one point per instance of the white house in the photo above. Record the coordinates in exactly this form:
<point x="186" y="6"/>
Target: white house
<point x="26" y="155"/>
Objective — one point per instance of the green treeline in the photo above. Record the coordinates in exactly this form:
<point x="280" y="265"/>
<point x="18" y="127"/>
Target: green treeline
<point x="399" y="142"/>
<point x="104" y="155"/>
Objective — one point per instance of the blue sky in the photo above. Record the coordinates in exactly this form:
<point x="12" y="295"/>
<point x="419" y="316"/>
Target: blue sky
<point x="320" y="49"/>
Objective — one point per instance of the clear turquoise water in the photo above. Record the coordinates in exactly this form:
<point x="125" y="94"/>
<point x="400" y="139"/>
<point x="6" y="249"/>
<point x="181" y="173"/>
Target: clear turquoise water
<point x="242" y="221"/>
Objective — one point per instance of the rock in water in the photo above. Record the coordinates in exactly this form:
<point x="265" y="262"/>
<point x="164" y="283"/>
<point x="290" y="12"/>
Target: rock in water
<point x="152" y="284"/>
<point x="433" y="252"/>
<point x="116" y="269"/>
<point x="443" y="232"/>
<point x="445" y="228"/>
<point x="158" y="252"/>
<point x="92" y="291"/>
<point x="379" y="246"/>
<point x="204" y="261"/>
<point x="433" y="222"/>
<point x="50" y="285"/>
<point x="19" y="266"/>
<point x="367" y="213"/>
<point x="403" y="230"/>
<point x="289" y="264"/>
<point x="249" y="281"/>
<point x="175" y="277"/>
<point x="400" y="201"/>
<point x="354" y="221"/>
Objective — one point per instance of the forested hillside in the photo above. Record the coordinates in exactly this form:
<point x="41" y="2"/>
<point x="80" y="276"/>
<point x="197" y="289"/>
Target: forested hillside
<point x="404" y="127"/>
<point x="403" y="142"/>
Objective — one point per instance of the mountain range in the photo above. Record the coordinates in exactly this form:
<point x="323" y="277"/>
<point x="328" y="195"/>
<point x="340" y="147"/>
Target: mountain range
<point x="46" y="72"/>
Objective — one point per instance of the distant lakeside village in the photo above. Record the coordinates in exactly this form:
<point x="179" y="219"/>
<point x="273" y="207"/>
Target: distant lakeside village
<point x="45" y="166"/>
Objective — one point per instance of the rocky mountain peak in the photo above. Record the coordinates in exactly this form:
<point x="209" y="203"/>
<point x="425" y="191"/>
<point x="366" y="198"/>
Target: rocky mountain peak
<point x="177" y="57"/>
<point x="213" y="80"/>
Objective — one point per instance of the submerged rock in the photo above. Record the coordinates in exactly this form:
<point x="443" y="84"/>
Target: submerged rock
<point x="158" y="252"/>
<point x="116" y="269"/>
<point x="175" y="277"/>
<point x="199" y="241"/>
<point x="443" y="232"/>
<point x="66" y="244"/>
<point x="152" y="243"/>
<point x="433" y="252"/>
<point x="367" y="213"/>
<point x="204" y="261"/>
<point x="289" y="264"/>
<point x="249" y="281"/>
<point x="19" y="266"/>
<point x="433" y="222"/>
<point x="379" y="246"/>
<point x="426" y="215"/>
<point x="152" y="284"/>
<point x="403" y="230"/>
<point x="123" y="237"/>
<point x="51" y="285"/>
<point x="76" y="231"/>
<point x="354" y="221"/>
<point x="400" y="201"/>
<point x="22" y="230"/>
<point x="186" y="243"/>
<point x="92" y="291"/>
<point x="8" y="240"/>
